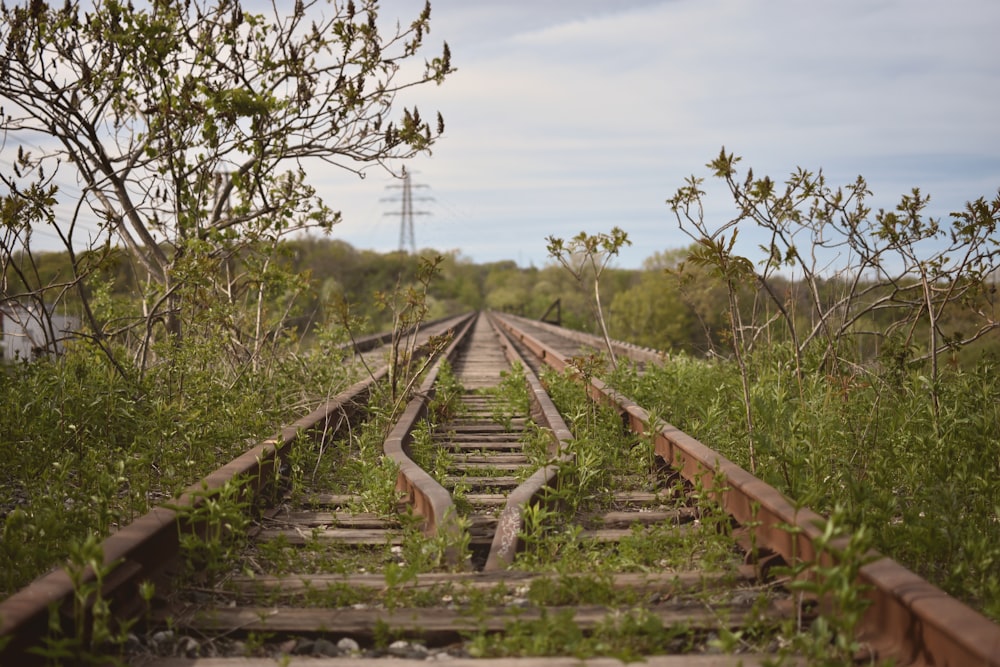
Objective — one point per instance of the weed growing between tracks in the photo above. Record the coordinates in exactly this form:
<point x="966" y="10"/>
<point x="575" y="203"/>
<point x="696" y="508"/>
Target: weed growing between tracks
<point x="95" y="636"/>
<point x="628" y="636"/>
<point x="561" y="540"/>
<point x="426" y="453"/>
<point x="925" y="484"/>
<point x="221" y="518"/>
<point x="446" y="404"/>
<point x="510" y="396"/>
<point x="605" y="453"/>
<point x="354" y="467"/>
<point x="447" y="401"/>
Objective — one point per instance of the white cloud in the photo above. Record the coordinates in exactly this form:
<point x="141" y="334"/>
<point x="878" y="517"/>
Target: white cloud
<point x="570" y="115"/>
<point x="599" y="117"/>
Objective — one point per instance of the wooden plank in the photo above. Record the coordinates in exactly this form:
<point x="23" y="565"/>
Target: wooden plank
<point x="497" y="482"/>
<point x="622" y="519"/>
<point x="328" y="500"/>
<point x="486" y="499"/>
<point x="642" y="497"/>
<point x="418" y="622"/>
<point x="503" y="458"/>
<point x="484" y="445"/>
<point x="683" y="660"/>
<point x="360" y="537"/>
<point x="470" y="427"/>
<point x="485" y="466"/>
<point x="342" y="519"/>
<point x="512" y="441"/>
<point x="617" y="534"/>
<point x="653" y="582"/>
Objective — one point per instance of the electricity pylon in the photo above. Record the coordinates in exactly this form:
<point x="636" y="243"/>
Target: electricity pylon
<point x="406" y="213"/>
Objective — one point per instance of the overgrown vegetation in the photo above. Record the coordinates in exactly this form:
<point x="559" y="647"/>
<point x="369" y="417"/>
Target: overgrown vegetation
<point x="857" y="396"/>
<point x="608" y="460"/>
<point x="928" y="493"/>
<point x="188" y="127"/>
<point x="85" y="453"/>
<point x="560" y="541"/>
<point x="94" y="626"/>
<point x="866" y="390"/>
<point x="556" y="542"/>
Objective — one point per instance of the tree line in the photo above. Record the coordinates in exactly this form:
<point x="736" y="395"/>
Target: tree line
<point x="669" y="304"/>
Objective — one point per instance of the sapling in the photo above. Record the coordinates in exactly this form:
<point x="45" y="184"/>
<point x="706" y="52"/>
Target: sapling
<point x="589" y="254"/>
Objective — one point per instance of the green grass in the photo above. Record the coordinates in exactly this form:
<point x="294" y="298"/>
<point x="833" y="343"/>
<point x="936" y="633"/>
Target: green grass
<point x="866" y="442"/>
<point x="86" y="451"/>
<point x="556" y="543"/>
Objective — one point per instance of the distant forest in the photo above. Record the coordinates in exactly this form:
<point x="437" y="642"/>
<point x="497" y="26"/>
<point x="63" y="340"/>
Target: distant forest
<point x="669" y="304"/>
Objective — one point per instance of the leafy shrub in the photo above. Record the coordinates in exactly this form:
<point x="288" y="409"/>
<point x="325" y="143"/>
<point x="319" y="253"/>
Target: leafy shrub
<point x="86" y="451"/>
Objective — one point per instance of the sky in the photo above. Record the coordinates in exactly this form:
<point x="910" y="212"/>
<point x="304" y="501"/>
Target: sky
<point x="569" y="116"/>
<point x="582" y="115"/>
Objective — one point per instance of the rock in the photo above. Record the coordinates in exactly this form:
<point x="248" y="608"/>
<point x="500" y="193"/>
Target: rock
<point x="404" y="649"/>
<point x="162" y="636"/>
<point x="399" y="648"/>
<point x="348" y="645"/>
<point x="418" y="652"/>
<point x="745" y="598"/>
<point x="188" y="647"/>
<point x="162" y="640"/>
<point x="325" y="647"/>
<point x="304" y="647"/>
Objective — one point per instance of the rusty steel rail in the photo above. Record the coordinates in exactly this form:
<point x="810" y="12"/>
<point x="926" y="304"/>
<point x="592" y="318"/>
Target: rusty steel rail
<point x="507" y="539"/>
<point x="145" y="548"/>
<point x="429" y="499"/>
<point x="375" y="340"/>
<point x="432" y="501"/>
<point x="636" y="353"/>
<point x="908" y="619"/>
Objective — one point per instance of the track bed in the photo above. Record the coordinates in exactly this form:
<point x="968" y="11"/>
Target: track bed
<point x="480" y="525"/>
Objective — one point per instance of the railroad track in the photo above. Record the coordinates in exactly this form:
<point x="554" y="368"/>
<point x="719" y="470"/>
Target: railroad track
<point x="488" y="535"/>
